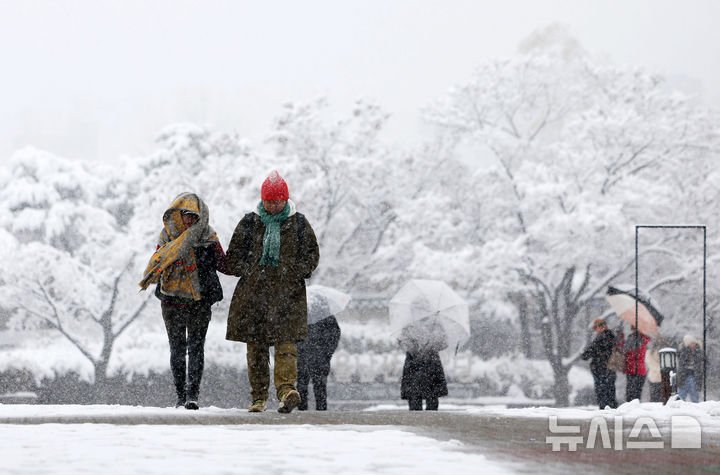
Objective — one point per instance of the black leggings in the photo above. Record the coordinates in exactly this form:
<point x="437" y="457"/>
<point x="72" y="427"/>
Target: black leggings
<point x="634" y="386"/>
<point x="186" y="328"/>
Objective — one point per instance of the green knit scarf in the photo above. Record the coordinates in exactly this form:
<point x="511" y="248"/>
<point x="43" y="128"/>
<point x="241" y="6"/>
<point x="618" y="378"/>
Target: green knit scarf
<point x="271" y="238"/>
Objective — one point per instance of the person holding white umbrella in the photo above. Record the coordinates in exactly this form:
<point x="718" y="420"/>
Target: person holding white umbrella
<point x="423" y="376"/>
<point x="428" y="317"/>
<point x="315" y="353"/>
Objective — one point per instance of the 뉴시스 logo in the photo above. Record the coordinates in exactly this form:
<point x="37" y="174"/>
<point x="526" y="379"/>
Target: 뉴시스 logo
<point x="685" y="433"/>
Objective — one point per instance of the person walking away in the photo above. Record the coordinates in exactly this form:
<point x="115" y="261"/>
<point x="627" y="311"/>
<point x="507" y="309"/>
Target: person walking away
<point x="690" y="369"/>
<point x="598" y="352"/>
<point x="423" y="376"/>
<point x="314" y="356"/>
<point x="184" y="266"/>
<point x="634" y="348"/>
<point x="273" y="250"/>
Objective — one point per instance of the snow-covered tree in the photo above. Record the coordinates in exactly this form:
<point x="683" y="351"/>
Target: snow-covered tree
<point x="68" y="271"/>
<point x="344" y="179"/>
<point x="582" y="154"/>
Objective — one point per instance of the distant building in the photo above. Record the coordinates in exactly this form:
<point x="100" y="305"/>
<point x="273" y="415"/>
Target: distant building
<point x="368" y="308"/>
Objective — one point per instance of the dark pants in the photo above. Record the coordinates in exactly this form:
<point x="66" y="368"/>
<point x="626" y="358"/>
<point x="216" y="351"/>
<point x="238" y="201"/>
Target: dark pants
<point x="431" y="404"/>
<point x="605" y="389"/>
<point x="186" y="328"/>
<point x="655" y="392"/>
<point x="319" y="384"/>
<point x="634" y="387"/>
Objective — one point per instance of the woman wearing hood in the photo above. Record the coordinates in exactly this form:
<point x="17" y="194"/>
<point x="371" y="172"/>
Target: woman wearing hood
<point x="184" y="267"/>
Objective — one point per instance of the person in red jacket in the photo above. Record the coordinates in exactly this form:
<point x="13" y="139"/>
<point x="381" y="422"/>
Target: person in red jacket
<point x="634" y="348"/>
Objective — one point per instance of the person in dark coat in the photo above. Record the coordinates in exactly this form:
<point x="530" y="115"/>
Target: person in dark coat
<point x="634" y="348"/>
<point x="314" y="355"/>
<point x="423" y="375"/>
<point x="273" y="250"/>
<point x="690" y="369"/>
<point x="598" y="352"/>
<point x="184" y="267"/>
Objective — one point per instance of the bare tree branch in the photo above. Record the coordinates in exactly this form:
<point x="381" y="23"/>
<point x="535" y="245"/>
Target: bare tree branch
<point x="133" y="317"/>
<point x="57" y="324"/>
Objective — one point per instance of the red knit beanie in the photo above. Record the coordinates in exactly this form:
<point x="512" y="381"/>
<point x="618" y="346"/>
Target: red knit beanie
<point x="274" y="188"/>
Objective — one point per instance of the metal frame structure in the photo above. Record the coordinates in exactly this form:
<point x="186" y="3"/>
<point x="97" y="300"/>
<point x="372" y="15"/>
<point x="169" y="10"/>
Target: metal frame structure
<point x="637" y="260"/>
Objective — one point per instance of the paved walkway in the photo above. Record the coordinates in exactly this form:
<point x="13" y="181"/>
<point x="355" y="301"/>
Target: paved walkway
<point x="507" y="439"/>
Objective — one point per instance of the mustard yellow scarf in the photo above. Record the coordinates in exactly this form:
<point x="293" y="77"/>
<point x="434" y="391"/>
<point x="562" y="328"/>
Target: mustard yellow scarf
<point x="173" y="265"/>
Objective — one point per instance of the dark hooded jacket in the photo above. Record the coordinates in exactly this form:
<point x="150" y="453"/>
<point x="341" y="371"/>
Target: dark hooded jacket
<point x="315" y="353"/>
<point x="423" y="375"/>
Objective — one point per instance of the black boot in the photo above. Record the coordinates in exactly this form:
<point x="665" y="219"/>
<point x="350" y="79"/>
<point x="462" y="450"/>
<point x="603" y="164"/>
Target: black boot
<point x="303" y="390"/>
<point x="181" y="399"/>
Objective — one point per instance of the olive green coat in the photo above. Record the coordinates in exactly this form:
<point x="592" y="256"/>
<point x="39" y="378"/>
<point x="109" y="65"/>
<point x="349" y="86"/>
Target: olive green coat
<point x="269" y="304"/>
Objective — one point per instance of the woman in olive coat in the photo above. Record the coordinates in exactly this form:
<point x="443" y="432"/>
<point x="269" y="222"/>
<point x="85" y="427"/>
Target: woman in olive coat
<point x="273" y="250"/>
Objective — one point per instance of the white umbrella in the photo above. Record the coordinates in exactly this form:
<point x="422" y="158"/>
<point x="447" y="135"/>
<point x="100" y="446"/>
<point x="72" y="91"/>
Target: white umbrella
<point x="431" y="300"/>
<point x="623" y="301"/>
<point x="324" y="301"/>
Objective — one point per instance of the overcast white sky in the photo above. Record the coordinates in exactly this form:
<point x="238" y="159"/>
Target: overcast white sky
<point x="94" y="79"/>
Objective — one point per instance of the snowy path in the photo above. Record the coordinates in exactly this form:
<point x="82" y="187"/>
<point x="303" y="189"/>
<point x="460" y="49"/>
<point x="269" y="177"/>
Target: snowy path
<point x="261" y="449"/>
<point x="122" y="439"/>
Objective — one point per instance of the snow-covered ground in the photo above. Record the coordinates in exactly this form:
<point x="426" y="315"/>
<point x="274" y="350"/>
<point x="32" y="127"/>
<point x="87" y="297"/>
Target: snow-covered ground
<point x="76" y="439"/>
<point x="707" y="414"/>
<point x="215" y="449"/>
<point x="113" y="449"/>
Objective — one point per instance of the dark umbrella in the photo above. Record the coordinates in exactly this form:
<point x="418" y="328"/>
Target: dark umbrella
<point x="624" y="301"/>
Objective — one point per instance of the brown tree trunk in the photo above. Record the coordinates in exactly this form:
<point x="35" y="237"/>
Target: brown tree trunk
<point x="561" y="390"/>
<point x="524" y="319"/>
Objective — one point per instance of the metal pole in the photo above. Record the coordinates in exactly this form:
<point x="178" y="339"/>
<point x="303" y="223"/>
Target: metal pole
<point x="637" y="302"/>
<point x="704" y="313"/>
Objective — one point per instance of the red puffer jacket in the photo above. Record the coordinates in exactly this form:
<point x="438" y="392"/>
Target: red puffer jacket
<point x="635" y="355"/>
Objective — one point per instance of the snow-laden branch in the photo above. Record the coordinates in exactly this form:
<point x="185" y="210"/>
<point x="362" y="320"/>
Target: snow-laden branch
<point x="569" y="361"/>
<point x="56" y="323"/>
<point x="543" y="289"/>
<point x="133" y="316"/>
<point x="89" y="313"/>
<point x="611" y="276"/>
<point x="667" y="280"/>
<point x="106" y="319"/>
